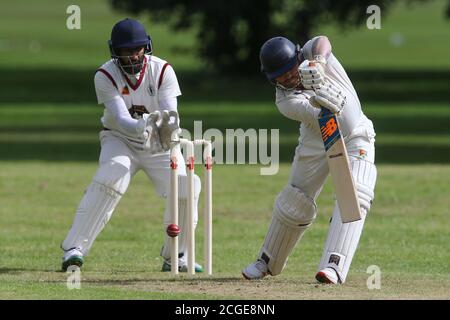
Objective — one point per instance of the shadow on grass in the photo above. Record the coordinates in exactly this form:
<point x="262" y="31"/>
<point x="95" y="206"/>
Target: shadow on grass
<point x="72" y="86"/>
<point x="227" y="119"/>
<point x="51" y="147"/>
<point x="64" y="87"/>
<point x="48" y="143"/>
<point x="87" y="151"/>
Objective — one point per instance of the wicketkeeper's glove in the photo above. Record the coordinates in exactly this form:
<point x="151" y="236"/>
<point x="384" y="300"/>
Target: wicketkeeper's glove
<point x="169" y="129"/>
<point x="151" y="135"/>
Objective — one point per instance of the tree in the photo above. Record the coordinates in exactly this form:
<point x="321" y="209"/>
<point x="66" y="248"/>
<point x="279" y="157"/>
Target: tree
<point x="231" y="32"/>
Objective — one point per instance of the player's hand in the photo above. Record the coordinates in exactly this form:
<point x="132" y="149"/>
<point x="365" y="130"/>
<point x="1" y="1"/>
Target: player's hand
<point x="169" y="129"/>
<point x="312" y="73"/>
<point x="329" y="96"/>
<point x="152" y="139"/>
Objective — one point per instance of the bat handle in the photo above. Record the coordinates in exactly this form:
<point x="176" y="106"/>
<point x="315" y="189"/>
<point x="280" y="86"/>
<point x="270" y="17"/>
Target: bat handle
<point x="325" y="112"/>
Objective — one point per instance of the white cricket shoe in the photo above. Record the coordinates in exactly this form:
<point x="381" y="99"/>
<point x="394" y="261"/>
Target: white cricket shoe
<point x="328" y="275"/>
<point x="72" y="257"/>
<point x="256" y="270"/>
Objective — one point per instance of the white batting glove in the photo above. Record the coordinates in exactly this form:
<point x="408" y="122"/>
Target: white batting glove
<point x="169" y="129"/>
<point x="152" y="139"/>
<point x="329" y="96"/>
<point x="312" y="73"/>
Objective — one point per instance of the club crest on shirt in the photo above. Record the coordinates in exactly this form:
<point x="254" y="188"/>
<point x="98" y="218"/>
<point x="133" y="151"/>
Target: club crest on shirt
<point x="136" y="112"/>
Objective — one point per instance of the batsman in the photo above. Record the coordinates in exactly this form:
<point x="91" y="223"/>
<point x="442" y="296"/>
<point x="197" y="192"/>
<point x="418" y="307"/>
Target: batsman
<point x="307" y="80"/>
<point x="139" y="93"/>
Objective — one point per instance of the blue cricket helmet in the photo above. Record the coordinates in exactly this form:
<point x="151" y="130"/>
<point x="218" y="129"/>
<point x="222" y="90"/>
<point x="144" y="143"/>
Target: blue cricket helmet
<point x="277" y="56"/>
<point x="129" y="33"/>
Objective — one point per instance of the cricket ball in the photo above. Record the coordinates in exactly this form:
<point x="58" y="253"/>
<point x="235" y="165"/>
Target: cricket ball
<point x="173" y="230"/>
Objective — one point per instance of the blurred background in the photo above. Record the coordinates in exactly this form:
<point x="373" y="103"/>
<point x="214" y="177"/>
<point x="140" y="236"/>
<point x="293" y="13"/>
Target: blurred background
<point x="401" y="71"/>
<point x="49" y="124"/>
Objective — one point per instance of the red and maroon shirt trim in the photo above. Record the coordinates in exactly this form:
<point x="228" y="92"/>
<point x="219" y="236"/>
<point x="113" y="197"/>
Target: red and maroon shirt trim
<point x="106" y="73"/>
<point x="161" y="76"/>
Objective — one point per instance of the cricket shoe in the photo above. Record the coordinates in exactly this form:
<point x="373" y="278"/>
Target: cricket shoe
<point x="256" y="270"/>
<point x="72" y="257"/>
<point x="328" y="276"/>
<point x="182" y="265"/>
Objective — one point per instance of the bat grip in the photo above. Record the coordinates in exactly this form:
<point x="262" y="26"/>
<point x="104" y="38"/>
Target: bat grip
<point x="325" y="111"/>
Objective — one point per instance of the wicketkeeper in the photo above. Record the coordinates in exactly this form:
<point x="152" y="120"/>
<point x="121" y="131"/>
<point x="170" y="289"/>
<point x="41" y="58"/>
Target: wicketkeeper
<point x="139" y="92"/>
<point x="301" y="90"/>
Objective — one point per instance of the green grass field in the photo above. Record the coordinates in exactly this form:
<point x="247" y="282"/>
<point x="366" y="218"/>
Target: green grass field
<point x="49" y="124"/>
<point x="406" y="235"/>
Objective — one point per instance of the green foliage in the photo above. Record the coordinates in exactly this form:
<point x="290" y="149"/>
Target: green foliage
<point x="44" y="45"/>
<point x="230" y="33"/>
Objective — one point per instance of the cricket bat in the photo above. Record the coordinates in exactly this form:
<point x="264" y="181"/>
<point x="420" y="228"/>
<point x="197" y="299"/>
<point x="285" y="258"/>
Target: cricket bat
<point x="339" y="166"/>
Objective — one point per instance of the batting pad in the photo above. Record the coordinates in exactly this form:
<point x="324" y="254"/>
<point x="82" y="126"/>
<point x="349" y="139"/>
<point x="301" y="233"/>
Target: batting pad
<point x="343" y="238"/>
<point x="98" y="203"/>
<point x="92" y="214"/>
<point x="293" y="213"/>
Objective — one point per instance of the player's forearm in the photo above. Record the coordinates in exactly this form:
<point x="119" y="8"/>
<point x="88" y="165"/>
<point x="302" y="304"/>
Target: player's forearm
<point x="123" y="119"/>
<point x="322" y="47"/>
<point x="296" y="108"/>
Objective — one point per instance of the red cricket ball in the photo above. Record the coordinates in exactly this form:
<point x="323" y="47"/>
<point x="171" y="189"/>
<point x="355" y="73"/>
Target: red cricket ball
<point x="173" y="230"/>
